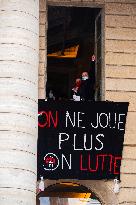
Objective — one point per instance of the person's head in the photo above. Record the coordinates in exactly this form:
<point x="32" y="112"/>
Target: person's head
<point x="85" y="76"/>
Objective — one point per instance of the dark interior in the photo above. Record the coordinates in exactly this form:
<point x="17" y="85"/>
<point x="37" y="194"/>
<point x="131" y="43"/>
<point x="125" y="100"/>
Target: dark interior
<point x="68" y="27"/>
<point x="66" y="190"/>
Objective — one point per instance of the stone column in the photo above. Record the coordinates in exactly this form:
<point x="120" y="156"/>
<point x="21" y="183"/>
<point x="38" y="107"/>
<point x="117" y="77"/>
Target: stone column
<point x="19" y="48"/>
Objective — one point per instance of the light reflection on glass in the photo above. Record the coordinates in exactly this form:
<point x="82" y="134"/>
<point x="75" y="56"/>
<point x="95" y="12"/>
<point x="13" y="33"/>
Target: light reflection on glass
<point x="68" y="201"/>
<point x="44" y="200"/>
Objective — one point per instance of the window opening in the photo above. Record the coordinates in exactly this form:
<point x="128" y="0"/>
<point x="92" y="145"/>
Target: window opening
<point x="67" y="194"/>
<point x="73" y="47"/>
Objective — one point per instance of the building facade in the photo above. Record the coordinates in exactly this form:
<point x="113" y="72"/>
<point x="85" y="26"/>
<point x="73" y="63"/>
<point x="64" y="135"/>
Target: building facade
<point x="23" y="54"/>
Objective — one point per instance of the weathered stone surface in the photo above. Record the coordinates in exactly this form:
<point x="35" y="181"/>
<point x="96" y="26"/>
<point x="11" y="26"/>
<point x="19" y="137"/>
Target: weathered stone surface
<point x="120" y="81"/>
<point x="43" y="49"/>
<point x="19" y="59"/>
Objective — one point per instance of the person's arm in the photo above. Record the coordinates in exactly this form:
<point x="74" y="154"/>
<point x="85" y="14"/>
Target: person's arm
<point x="91" y="71"/>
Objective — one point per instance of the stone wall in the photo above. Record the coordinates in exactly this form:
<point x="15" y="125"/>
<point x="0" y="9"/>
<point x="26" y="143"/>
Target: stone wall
<point x="120" y="75"/>
<point x="42" y="49"/>
<point x="19" y="49"/>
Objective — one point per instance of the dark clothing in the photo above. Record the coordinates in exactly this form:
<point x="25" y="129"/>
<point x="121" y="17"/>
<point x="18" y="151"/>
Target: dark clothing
<point x="87" y="86"/>
<point x="86" y="90"/>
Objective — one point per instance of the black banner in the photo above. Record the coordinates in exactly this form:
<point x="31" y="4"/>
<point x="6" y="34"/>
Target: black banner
<point x="80" y="140"/>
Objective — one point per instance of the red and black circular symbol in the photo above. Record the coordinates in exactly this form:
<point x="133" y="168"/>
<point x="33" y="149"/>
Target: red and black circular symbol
<point x="51" y="162"/>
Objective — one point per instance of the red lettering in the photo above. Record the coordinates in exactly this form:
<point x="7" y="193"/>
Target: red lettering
<point x="103" y="160"/>
<point x="115" y="165"/>
<point x="54" y="121"/>
<point x="111" y="161"/>
<point x="81" y="162"/>
<point x="48" y="119"/>
<point x="89" y="162"/>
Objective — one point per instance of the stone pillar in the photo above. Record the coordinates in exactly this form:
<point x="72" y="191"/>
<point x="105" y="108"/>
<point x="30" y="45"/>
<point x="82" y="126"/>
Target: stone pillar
<point x="42" y="48"/>
<point x="19" y="59"/>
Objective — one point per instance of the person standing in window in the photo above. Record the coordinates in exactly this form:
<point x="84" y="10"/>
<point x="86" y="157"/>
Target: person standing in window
<point x="87" y="88"/>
